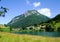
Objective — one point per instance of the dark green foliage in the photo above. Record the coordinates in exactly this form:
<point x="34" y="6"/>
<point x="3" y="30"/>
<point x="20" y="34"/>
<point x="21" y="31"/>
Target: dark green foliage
<point x="49" y="28"/>
<point x="10" y="29"/>
<point x="24" y="28"/>
<point x="53" y="22"/>
<point x="3" y="10"/>
<point x="35" y="25"/>
<point x="58" y="29"/>
<point x="31" y="28"/>
<point x="5" y="25"/>
<point x="42" y="29"/>
<point x="56" y="19"/>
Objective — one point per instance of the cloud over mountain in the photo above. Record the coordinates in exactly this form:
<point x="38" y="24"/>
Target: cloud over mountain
<point x="45" y="11"/>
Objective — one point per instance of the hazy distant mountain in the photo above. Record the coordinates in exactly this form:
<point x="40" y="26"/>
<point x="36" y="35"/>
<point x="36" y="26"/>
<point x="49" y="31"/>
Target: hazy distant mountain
<point x="29" y="18"/>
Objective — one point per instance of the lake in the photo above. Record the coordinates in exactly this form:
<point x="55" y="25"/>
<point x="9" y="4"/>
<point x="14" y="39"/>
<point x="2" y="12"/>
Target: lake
<point x="52" y="34"/>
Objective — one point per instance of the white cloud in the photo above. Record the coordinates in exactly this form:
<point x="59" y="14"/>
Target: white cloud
<point x="45" y="11"/>
<point x="36" y="4"/>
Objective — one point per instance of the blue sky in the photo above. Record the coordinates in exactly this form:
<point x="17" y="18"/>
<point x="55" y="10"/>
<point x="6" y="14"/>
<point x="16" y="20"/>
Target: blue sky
<point x="49" y="8"/>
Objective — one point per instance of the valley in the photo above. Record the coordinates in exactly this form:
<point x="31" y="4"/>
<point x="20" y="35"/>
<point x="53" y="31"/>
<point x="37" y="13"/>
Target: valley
<point x="31" y="26"/>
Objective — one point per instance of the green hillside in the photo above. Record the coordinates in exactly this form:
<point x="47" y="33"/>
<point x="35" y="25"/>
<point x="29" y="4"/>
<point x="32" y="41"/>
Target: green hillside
<point x="57" y="24"/>
<point x="29" y="18"/>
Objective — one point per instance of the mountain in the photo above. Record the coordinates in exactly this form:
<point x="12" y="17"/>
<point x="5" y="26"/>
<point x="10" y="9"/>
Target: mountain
<point x="29" y="18"/>
<point x="55" y="21"/>
<point x="56" y="18"/>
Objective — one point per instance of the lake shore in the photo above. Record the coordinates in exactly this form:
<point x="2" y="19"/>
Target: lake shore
<point x="10" y="37"/>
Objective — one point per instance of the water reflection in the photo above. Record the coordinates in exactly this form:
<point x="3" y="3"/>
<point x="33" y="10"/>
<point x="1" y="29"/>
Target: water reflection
<point x="53" y="34"/>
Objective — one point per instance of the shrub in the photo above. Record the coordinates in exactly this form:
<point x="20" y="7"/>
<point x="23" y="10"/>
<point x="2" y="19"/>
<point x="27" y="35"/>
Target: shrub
<point x="49" y="28"/>
<point x="58" y="29"/>
<point x="42" y="29"/>
<point x="10" y="29"/>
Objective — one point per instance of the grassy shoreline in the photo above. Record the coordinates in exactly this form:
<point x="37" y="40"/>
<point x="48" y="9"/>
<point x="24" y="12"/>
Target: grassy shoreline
<point x="10" y="37"/>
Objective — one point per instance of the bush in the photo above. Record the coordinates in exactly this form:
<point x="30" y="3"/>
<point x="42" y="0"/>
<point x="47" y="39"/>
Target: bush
<point x="10" y="29"/>
<point x="58" y="29"/>
<point x="24" y="28"/>
<point x="31" y="28"/>
<point x="49" y="28"/>
<point x="42" y="29"/>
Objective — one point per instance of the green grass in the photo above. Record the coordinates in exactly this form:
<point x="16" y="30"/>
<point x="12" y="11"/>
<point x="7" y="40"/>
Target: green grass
<point x="57" y="24"/>
<point x="5" y="29"/>
<point x="10" y="37"/>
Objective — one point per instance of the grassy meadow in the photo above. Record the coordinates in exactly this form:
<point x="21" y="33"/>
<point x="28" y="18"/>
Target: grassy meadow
<point x="10" y="37"/>
<point x="57" y="24"/>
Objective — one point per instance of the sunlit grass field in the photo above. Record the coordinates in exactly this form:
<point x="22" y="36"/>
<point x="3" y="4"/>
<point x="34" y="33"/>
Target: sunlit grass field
<point x="10" y="37"/>
<point x="57" y="24"/>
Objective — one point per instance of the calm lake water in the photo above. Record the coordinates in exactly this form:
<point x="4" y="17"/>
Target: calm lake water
<point x="52" y="34"/>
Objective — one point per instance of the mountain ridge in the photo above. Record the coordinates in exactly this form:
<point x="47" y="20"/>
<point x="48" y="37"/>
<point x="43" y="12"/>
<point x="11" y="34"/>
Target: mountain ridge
<point x="29" y="18"/>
